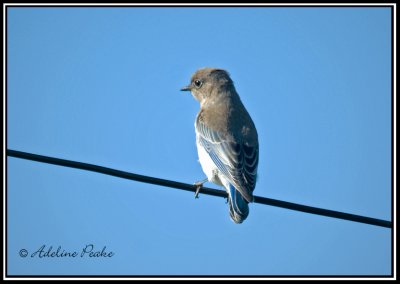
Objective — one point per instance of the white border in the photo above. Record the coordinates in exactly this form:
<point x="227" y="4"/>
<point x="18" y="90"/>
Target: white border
<point x="196" y="5"/>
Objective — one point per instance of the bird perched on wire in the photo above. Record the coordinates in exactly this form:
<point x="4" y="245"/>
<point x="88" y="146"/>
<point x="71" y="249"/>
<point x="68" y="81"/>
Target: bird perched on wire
<point x="226" y="139"/>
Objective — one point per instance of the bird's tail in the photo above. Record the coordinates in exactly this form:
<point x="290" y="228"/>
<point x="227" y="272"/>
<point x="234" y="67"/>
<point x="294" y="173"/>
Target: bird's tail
<point x="238" y="206"/>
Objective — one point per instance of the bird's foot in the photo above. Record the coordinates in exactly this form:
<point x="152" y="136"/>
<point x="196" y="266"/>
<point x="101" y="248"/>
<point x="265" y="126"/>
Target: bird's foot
<point x="199" y="185"/>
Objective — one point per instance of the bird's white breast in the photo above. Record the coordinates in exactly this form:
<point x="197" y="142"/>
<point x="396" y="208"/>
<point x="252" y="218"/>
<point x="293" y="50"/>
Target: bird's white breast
<point x="209" y="167"/>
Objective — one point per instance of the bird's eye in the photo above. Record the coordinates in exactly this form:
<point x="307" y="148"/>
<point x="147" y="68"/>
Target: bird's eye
<point x="198" y="83"/>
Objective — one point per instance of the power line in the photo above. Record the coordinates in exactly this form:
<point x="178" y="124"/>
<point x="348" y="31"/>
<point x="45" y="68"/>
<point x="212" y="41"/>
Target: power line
<point x="191" y="187"/>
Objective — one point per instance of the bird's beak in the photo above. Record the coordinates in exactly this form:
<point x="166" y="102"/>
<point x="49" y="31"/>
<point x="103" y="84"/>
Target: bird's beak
<point x="187" y="88"/>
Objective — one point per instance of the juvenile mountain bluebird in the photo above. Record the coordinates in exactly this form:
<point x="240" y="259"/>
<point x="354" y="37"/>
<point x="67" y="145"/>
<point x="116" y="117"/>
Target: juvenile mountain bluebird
<point x="226" y="139"/>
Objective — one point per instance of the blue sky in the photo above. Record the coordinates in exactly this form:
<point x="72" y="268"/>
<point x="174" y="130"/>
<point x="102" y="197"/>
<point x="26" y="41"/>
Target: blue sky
<point x="101" y="85"/>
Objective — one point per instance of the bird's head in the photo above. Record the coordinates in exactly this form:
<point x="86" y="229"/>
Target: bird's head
<point x="209" y="82"/>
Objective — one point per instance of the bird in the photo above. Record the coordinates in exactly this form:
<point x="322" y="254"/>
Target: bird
<point x="226" y="139"/>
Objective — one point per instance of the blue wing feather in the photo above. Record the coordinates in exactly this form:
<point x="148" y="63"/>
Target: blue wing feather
<point x="236" y="160"/>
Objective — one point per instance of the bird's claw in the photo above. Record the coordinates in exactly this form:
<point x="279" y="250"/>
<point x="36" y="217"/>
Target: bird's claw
<point x="199" y="185"/>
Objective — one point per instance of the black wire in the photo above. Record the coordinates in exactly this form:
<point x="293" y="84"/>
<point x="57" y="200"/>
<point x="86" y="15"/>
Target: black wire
<point x="191" y="187"/>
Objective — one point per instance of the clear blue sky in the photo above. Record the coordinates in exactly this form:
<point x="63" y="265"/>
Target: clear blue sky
<point x="101" y="85"/>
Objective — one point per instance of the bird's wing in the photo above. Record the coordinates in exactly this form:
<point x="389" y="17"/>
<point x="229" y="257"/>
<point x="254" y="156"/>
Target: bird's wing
<point x="236" y="160"/>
